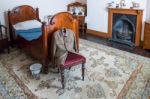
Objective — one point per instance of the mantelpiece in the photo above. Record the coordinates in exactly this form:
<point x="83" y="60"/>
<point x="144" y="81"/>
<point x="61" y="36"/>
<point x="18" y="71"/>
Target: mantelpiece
<point x="136" y="12"/>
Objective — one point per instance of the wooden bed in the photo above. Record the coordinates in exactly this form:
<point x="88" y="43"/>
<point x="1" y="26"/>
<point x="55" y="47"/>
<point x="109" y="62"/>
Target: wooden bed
<point x="40" y="48"/>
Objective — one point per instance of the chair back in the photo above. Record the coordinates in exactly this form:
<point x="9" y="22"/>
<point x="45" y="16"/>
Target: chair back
<point x="3" y="31"/>
<point x="0" y="30"/>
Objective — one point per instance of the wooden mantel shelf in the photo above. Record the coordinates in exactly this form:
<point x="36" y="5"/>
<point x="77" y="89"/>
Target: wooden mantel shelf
<point x="137" y="12"/>
<point x="124" y="9"/>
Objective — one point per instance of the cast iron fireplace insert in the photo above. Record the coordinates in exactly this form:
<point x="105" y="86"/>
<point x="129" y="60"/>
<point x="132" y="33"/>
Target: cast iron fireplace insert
<point x="124" y="29"/>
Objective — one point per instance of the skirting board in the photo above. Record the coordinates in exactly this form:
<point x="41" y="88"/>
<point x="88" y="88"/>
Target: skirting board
<point x="97" y="33"/>
<point x="103" y="35"/>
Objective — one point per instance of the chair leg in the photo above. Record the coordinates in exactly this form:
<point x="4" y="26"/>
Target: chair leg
<point x="45" y="67"/>
<point x="83" y="68"/>
<point x="62" y="78"/>
<point x="8" y="50"/>
<point x="69" y="68"/>
<point x="85" y="27"/>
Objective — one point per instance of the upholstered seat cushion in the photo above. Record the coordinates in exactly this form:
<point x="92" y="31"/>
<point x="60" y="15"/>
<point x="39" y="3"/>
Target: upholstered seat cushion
<point x="73" y="59"/>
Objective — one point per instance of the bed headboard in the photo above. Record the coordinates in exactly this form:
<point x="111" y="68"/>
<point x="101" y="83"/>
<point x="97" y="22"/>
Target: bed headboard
<point x="64" y="19"/>
<point x="59" y="20"/>
<point x="22" y="13"/>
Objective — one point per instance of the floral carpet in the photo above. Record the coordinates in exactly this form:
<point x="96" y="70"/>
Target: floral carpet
<point x="9" y="89"/>
<point x="109" y="74"/>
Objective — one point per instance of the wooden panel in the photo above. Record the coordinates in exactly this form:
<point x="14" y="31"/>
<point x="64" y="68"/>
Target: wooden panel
<point x="3" y="38"/>
<point x="23" y="13"/>
<point x="4" y="44"/>
<point x="81" y="19"/>
<point x="97" y="33"/>
<point x="147" y="28"/>
<point x="146" y="44"/>
<point x="147" y="34"/>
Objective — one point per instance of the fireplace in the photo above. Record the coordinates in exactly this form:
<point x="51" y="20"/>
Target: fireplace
<point x="125" y="26"/>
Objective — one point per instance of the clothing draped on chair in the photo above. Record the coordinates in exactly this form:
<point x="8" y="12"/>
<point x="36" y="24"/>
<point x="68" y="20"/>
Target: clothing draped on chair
<point x="64" y="53"/>
<point x="64" y="41"/>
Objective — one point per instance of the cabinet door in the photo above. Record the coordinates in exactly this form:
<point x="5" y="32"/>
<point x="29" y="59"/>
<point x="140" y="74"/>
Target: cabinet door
<point x="3" y="44"/>
<point x="146" y="44"/>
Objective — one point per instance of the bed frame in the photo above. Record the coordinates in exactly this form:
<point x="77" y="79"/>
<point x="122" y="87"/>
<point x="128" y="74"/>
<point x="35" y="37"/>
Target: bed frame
<point x="40" y="48"/>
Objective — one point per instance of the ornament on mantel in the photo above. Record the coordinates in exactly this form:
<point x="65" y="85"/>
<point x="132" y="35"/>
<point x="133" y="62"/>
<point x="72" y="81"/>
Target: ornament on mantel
<point x="122" y="3"/>
<point x="135" y="5"/>
<point x="111" y="4"/>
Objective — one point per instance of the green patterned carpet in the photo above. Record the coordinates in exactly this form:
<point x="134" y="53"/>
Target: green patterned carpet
<point x="108" y="71"/>
<point x="9" y="89"/>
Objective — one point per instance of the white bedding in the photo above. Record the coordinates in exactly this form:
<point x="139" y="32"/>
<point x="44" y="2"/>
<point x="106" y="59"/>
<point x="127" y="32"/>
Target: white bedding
<point x="27" y="25"/>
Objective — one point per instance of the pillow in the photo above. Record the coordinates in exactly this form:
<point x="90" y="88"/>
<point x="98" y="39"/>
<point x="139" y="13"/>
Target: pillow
<point x="27" y="25"/>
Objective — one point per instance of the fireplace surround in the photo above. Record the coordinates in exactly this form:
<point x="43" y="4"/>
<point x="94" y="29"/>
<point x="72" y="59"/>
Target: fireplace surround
<point x="125" y="25"/>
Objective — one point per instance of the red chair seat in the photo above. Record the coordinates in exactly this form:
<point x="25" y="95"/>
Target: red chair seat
<point x="73" y="59"/>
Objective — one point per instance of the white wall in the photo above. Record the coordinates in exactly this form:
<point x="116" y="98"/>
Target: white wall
<point x="148" y="10"/>
<point x="46" y="7"/>
<point x="97" y="14"/>
<point x="82" y="1"/>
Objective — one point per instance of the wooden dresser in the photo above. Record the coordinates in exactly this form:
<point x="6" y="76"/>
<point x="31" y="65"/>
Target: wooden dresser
<point x="79" y="11"/>
<point x="146" y="44"/>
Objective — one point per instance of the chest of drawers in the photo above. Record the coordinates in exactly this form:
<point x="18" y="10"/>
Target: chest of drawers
<point x="146" y="44"/>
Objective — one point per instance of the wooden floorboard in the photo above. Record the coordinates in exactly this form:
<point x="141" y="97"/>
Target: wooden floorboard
<point x="104" y="41"/>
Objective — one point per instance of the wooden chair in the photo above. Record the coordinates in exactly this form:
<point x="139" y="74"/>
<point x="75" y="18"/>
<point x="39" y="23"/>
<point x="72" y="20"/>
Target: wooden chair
<point x="72" y="60"/>
<point x="3" y="38"/>
<point x="62" y="49"/>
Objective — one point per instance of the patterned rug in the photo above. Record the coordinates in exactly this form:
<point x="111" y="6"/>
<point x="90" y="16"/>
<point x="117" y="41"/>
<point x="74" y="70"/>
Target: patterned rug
<point x="9" y="89"/>
<point x="109" y="74"/>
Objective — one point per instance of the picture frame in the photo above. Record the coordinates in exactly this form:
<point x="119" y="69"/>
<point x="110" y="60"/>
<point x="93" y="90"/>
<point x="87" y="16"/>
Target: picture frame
<point x="77" y="9"/>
